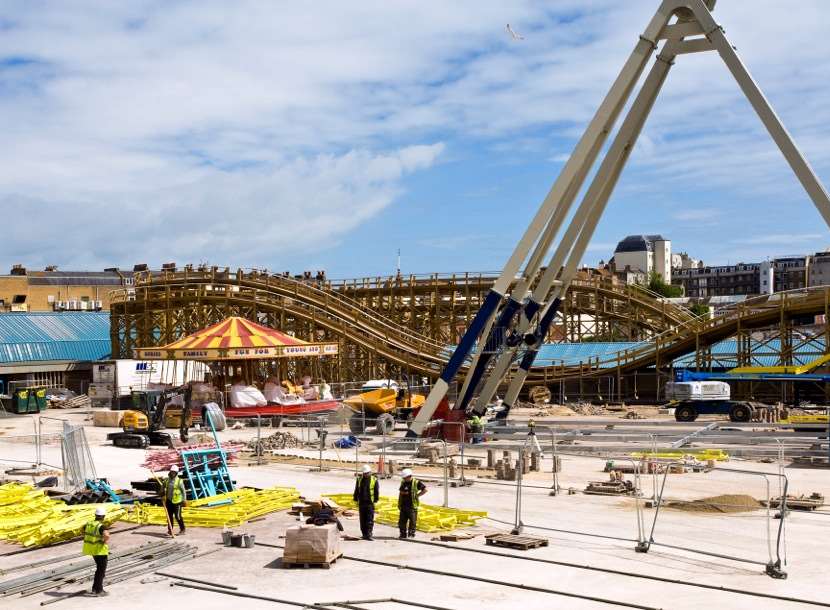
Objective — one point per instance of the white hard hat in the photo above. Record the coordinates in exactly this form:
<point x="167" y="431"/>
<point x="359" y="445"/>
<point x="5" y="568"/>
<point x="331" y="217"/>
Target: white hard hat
<point x="366" y="469"/>
<point x="406" y="472"/>
<point x="174" y="468"/>
<point x="100" y="511"/>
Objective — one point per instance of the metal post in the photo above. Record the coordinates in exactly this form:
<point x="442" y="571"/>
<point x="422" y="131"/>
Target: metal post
<point x="259" y="439"/>
<point x="463" y="480"/>
<point x="382" y="475"/>
<point x="555" y="488"/>
<point x="36" y="423"/>
<point x="446" y="477"/>
<point x="517" y="526"/>
<point x="322" y="434"/>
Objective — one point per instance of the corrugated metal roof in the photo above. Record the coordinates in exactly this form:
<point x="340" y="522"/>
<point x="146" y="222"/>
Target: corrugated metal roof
<point x="573" y="353"/>
<point x="35" y="337"/>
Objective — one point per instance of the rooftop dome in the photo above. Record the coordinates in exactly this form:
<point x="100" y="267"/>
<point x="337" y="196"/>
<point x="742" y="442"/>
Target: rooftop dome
<point x="638" y="243"/>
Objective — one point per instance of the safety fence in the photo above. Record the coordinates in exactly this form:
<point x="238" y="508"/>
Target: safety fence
<point x="685" y="507"/>
<point x="56" y="447"/>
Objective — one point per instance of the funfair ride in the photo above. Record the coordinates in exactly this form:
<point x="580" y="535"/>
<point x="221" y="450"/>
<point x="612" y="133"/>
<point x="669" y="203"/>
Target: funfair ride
<point x="510" y="327"/>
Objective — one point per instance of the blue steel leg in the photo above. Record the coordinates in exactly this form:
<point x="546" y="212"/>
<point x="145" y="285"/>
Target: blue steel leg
<point x="527" y="360"/>
<point x="464" y="348"/>
<point x="493" y="344"/>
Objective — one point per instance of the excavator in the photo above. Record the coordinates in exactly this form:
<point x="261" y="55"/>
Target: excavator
<point x="142" y="425"/>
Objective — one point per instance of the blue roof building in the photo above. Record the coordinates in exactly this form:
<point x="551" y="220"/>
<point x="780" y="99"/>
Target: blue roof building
<point x="31" y="339"/>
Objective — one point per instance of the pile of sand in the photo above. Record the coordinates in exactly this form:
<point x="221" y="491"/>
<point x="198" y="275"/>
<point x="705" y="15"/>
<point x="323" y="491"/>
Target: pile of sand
<point x="727" y="503"/>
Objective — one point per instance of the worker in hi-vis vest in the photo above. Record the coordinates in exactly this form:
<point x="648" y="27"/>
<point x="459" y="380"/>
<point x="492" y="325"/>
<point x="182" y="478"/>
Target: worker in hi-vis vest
<point x="409" y="496"/>
<point x="96" y="538"/>
<point x="174" y="498"/>
<point x="366" y="494"/>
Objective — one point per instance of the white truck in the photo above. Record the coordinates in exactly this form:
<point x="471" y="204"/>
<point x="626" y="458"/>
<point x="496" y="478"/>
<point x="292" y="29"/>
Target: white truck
<point x="116" y="379"/>
<point x="692" y="398"/>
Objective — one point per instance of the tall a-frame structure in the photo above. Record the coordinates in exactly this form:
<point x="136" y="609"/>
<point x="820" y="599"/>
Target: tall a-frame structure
<point x="510" y="328"/>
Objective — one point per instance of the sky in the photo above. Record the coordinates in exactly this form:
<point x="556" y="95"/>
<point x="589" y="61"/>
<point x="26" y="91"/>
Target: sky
<point x="330" y="135"/>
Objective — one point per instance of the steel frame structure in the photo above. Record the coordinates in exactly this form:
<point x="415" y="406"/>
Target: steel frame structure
<point x="424" y="314"/>
<point x="512" y="325"/>
<point x="390" y="327"/>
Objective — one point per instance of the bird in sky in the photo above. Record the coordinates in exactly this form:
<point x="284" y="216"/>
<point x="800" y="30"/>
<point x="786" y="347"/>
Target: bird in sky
<point x="513" y="33"/>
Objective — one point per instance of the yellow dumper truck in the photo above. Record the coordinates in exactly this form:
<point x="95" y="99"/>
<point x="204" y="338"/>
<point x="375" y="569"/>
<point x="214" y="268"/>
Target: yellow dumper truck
<point x="380" y="404"/>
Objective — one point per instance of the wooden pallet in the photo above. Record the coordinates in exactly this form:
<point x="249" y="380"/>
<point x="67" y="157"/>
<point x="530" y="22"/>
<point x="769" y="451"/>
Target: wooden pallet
<point x="311" y="564"/>
<point x="800" y="502"/>
<point x="512" y="541"/>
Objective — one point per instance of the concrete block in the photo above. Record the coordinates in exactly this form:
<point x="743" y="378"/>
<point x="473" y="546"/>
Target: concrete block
<point x="107" y="419"/>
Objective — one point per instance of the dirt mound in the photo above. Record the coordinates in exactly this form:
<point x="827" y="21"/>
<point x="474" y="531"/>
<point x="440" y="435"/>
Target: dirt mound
<point x="277" y="440"/>
<point x="727" y="503"/>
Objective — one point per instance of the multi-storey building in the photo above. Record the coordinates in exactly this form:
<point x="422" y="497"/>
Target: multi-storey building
<point x="52" y="290"/>
<point x="721" y="280"/>
<point x="819" y="272"/>
<point x="645" y="254"/>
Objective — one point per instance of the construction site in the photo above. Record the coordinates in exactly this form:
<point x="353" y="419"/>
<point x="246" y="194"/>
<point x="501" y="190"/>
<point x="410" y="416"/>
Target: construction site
<point x="546" y="436"/>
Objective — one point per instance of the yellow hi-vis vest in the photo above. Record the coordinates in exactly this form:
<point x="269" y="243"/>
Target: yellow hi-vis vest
<point x="94" y="539"/>
<point x="413" y="494"/>
<point x="178" y="491"/>
<point x="373" y="480"/>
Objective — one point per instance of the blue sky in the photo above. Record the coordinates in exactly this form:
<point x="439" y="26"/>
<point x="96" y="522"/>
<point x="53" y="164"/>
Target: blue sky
<point x="330" y="134"/>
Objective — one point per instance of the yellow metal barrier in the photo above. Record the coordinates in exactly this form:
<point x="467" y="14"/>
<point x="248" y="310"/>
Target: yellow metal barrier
<point x="805" y="419"/>
<point x="719" y="455"/>
<point x="431" y="518"/>
<point x="229" y="509"/>
<point x="29" y="517"/>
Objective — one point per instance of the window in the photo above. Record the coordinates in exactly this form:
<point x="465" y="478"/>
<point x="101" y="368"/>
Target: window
<point x="18" y="299"/>
<point x="85" y="299"/>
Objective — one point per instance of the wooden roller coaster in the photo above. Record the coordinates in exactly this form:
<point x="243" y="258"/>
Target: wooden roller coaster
<point x="407" y="324"/>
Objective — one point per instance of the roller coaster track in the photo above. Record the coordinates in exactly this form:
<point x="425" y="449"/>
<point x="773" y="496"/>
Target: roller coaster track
<point x="262" y="294"/>
<point x="783" y="309"/>
<point x="164" y="307"/>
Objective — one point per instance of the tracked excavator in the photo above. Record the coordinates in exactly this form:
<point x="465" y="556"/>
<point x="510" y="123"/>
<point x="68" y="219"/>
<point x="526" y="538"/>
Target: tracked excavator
<point x="143" y="425"/>
<point x="505" y="335"/>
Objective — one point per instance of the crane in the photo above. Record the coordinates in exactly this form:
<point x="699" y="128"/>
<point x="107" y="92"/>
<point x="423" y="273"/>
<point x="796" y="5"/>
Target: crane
<point x="509" y="328"/>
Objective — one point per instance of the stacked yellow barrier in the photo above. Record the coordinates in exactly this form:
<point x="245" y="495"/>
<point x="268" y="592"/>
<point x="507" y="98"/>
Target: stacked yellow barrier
<point x="29" y="517"/>
<point x="228" y="509"/>
<point x="431" y="518"/>
<point x="719" y="455"/>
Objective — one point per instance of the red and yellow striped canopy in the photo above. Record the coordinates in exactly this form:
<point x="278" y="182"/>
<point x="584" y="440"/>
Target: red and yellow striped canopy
<point x="236" y="339"/>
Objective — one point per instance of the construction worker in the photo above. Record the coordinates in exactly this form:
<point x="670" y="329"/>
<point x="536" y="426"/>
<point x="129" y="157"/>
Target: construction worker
<point x="476" y="428"/>
<point x="174" y="498"/>
<point x="96" y="538"/>
<point x="409" y="497"/>
<point x="366" y="494"/>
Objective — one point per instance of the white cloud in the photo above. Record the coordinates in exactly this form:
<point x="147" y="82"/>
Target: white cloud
<point x="702" y="215"/>
<point x="783" y="239"/>
<point x="233" y="218"/>
<point x="126" y="123"/>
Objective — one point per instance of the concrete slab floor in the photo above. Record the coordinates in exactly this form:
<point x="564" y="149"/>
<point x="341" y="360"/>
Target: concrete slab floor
<point x="258" y="571"/>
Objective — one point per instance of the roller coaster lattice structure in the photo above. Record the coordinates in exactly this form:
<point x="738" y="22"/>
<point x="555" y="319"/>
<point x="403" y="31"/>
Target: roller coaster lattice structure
<point x="403" y="325"/>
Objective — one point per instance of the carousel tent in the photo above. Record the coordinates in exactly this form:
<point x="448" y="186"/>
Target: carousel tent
<point x="236" y="339"/>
